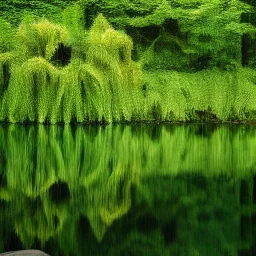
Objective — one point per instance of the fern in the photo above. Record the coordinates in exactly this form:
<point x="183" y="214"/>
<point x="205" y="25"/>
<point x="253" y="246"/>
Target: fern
<point x="110" y="52"/>
<point x="31" y="91"/>
<point x="103" y="84"/>
<point x="40" y="38"/>
<point x="183" y="96"/>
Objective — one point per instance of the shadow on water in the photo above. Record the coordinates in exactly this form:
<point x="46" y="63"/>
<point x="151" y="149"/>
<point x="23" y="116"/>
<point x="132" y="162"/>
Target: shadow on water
<point x="128" y="189"/>
<point x="59" y="192"/>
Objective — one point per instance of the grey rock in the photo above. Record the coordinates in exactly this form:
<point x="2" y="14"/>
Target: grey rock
<point x="25" y="253"/>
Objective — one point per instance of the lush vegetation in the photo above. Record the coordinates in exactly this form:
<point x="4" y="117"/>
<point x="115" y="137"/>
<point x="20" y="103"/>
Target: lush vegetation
<point x="182" y="34"/>
<point x="148" y="190"/>
<point x="166" y="60"/>
<point x="14" y="11"/>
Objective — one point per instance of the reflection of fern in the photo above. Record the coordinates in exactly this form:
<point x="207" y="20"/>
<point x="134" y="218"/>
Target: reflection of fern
<point x="118" y="198"/>
<point x="100" y="181"/>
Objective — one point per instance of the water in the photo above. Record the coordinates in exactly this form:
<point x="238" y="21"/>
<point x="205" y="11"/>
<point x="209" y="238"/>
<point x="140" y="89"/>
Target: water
<point x="128" y="189"/>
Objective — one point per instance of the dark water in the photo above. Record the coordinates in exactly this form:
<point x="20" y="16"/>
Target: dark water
<point x="128" y="190"/>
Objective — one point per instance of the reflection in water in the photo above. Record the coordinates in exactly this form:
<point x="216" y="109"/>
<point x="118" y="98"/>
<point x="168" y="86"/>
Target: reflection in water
<point x="128" y="190"/>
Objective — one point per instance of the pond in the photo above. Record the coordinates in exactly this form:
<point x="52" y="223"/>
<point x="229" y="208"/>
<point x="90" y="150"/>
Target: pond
<point x="143" y="189"/>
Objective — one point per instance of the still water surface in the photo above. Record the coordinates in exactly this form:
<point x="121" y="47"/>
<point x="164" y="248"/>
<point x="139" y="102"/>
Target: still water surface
<point x="183" y="190"/>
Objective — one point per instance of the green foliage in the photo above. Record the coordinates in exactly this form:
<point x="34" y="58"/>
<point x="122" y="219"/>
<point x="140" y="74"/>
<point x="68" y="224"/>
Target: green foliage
<point x="31" y="91"/>
<point x="73" y="20"/>
<point x="6" y="36"/>
<point x="214" y="30"/>
<point x="121" y="13"/>
<point x="40" y="38"/>
<point x="5" y="68"/>
<point x="208" y="33"/>
<point x="5" y="60"/>
<point x="166" y="52"/>
<point x="103" y="84"/>
<point x="110" y="52"/>
<point x="14" y="10"/>
<point x="201" y="33"/>
<point x="206" y="95"/>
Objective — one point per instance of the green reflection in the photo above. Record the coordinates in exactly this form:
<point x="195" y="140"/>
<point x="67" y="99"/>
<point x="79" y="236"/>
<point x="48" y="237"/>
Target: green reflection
<point x="122" y="190"/>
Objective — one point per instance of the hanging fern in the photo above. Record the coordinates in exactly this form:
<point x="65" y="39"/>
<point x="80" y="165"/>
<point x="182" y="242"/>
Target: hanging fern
<point x="102" y="83"/>
<point x="110" y="52"/>
<point x="32" y="91"/>
<point x="40" y="39"/>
